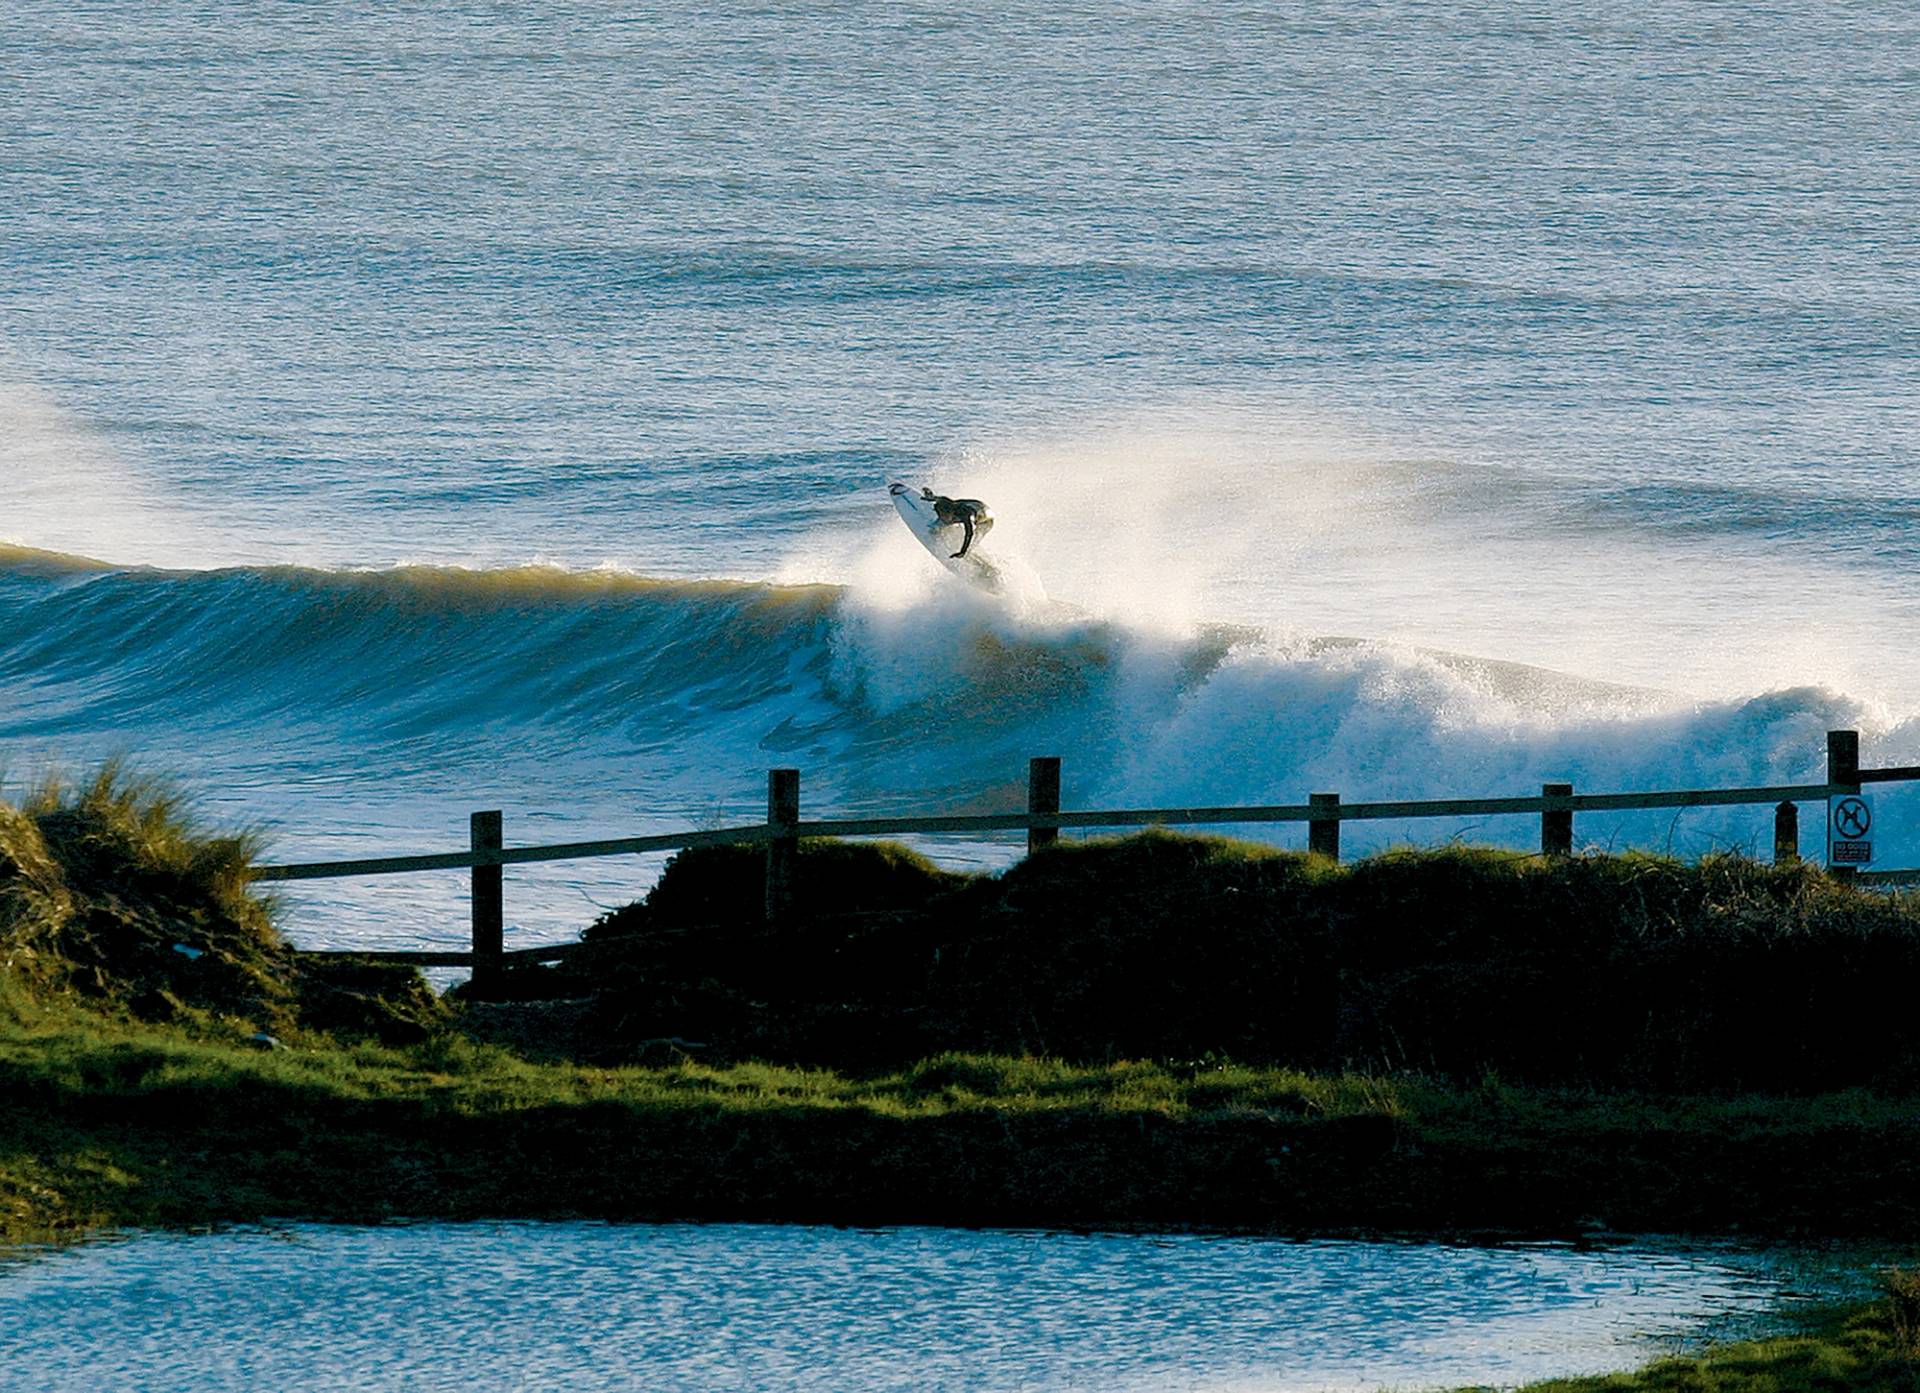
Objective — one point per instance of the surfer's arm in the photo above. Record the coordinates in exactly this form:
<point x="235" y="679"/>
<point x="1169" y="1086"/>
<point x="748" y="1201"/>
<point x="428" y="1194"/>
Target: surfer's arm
<point x="966" y="521"/>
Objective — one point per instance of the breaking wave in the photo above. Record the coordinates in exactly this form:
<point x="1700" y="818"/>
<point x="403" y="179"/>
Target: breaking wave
<point x="932" y="703"/>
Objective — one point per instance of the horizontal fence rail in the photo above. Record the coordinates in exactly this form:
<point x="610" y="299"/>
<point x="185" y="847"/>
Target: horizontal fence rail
<point x="512" y="855"/>
<point x="1042" y="821"/>
<point x="1894" y="774"/>
<point x="751" y="833"/>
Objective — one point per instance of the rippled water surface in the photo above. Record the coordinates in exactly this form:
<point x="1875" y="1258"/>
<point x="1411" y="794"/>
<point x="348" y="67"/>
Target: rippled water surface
<point x="587" y="1306"/>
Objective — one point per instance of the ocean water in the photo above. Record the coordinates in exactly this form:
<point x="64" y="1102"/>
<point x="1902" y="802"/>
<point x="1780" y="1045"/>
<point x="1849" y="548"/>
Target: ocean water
<point x="413" y="409"/>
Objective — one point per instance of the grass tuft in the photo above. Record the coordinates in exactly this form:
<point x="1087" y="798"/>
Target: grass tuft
<point x="111" y="890"/>
<point x="1901" y="1286"/>
<point x="1841" y="1351"/>
<point x="115" y="894"/>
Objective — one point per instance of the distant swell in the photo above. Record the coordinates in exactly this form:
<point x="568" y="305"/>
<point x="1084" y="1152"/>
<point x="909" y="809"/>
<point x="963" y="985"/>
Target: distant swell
<point x="938" y="703"/>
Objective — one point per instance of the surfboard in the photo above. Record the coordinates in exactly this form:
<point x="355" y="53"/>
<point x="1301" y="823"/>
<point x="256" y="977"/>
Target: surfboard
<point x="943" y="539"/>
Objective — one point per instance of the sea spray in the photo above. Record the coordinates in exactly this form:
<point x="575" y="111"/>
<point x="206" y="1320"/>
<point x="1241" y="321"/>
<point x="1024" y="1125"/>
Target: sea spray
<point x="1296" y="519"/>
<point x="67" y="487"/>
<point x="368" y="710"/>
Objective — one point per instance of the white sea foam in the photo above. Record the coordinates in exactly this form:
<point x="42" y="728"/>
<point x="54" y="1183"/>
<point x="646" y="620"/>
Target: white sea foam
<point x="1300" y="522"/>
<point x="337" y="702"/>
<point x="1170" y="713"/>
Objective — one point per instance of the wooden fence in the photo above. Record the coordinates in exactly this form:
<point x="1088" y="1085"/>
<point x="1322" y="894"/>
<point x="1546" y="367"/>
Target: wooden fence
<point x="1556" y="804"/>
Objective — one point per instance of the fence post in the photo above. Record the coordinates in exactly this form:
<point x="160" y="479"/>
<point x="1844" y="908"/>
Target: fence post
<point x="783" y="842"/>
<point x="1043" y="796"/>
<point x="1556" y="823"/>
<point x="1843" y="758"/>
<point x="1323" y="833"/>
<point x="489" y="912"/>
<point x="1843" y="768"/>
<point x="1786" y="834"/>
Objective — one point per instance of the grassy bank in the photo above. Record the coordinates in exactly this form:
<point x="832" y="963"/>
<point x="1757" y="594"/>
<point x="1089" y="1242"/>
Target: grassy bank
<point x="1616" y="972"/>
<point x="1862" y="1349"/>
<point x="117" y="1122"/>
<point x="1454" y="1043"/>
<point x="165" y="1058"/>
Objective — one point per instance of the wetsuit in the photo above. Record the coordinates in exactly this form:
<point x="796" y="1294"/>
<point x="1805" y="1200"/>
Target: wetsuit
<point x="962" y="511"/>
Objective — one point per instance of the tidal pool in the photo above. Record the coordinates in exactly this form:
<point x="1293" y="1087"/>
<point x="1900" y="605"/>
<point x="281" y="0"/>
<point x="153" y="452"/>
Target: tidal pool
<point x="580" y="1306"/>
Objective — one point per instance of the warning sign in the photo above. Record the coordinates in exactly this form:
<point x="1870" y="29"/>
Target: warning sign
<point x="1849" y="830"/>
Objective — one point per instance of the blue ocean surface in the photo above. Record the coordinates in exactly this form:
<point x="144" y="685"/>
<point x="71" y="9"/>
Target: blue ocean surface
<point x="412" y="409"/>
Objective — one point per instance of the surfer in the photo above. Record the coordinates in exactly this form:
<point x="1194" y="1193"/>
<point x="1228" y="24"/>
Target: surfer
<point x="962" y="512"/>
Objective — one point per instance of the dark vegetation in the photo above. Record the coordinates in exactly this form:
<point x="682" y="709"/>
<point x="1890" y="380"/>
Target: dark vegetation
<point x="1479" y="1044"/>
<point x="1592" y="971"/>
<point x="1589" y="971"/>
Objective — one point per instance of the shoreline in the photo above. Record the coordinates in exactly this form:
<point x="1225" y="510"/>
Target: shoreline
<point x="121" y="1124"/>
<point x="114" y="1127"/>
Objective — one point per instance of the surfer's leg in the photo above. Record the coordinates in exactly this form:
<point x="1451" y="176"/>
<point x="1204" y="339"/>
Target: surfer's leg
<point x="966" y="521"/>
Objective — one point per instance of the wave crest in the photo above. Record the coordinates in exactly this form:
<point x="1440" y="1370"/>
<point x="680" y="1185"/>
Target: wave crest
<point x="934" y="703"/>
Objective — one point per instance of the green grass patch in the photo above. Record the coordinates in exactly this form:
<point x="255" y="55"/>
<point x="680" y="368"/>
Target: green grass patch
<point x="106" y="1120"/>
<point x="109" y="890"/>
<point x="114" y="895"/>
<point x="113" y="1122"/>
<point x="1858" y="1349"/>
